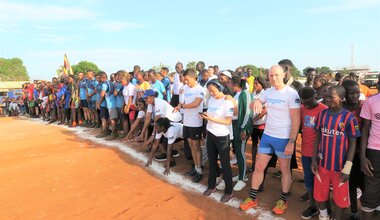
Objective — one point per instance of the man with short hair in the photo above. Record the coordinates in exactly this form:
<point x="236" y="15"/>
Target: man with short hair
<point x="176" y="84"/>
<point x="310" y="75"/>
<point x="91" y="98"/>
<point x="281" y="129"/>
<point x="83" y="98"/>
<point x="199" y="67"/>
<point x="166" y="81"/>
<point x="102" y="105"/>
<point x="193" y="124"/>
<point x="225" y="79"/>
<point x="156" y="85"/>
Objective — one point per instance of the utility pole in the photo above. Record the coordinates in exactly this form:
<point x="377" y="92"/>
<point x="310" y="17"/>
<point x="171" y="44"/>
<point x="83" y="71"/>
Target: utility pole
<point x="352" y="56"/>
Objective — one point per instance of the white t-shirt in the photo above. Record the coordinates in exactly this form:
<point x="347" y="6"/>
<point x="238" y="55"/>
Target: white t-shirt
<point x="278" y="104"/>
<point x="263" y="119"/>
<point x="141" y="115"/>
<point x="164" y="109"/>
<point x="191" y="115"/>
<point x="176" y="84"/>
<point x="128" y="91"/>
<point x="219" y="108"/>
<point x="174" y="132"/>
<point x="236" y="97"/>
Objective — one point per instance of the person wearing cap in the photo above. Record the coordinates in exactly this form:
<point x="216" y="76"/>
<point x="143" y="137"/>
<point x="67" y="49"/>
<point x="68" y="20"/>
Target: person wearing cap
<point x="160" y="109"/>
<point x="225" y="79"/>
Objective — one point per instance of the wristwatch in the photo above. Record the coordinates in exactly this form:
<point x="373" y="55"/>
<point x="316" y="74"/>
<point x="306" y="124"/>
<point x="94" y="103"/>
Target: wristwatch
<point x="291" y="140"/>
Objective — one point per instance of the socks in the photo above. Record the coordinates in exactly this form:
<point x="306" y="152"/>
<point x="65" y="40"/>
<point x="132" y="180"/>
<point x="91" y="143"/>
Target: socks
<point x="323" y="213"/>
<point x="253" y="193"/>
<point x="198" y="169"/>
<point x="284" y="196"/>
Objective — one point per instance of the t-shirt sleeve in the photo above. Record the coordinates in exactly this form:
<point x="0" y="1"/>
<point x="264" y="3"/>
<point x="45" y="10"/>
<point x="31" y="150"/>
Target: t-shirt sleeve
<point x="366" y="112"/>
<point x="161" y="87"/>
<point x="353" y="127"/>
<point x="318" y="122"/>
<point x="150" y="108"/>
<point x="294" y="99"/>
<point x="201" y="93"/>
<point x="158" y="135"/>
<point x="141" y="114"/>
<point x="104" y="87"/>
<point x="263" y="96"/>
<point x="170" y="135"/>
<point x="228" y="109"/>
<point x="131" y="90"/>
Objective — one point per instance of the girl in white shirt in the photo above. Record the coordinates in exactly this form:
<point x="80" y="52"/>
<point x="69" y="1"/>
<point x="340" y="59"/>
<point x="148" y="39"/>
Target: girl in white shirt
<point x="219" y="117"/>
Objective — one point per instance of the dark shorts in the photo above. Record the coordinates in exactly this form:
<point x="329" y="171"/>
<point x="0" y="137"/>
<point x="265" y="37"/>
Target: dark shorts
<point x="112" y="113"/>
<point x="371" y="194"/>
<point x="194" y="133"/>
<point x="84" y="103"/>
<point x="104" y="113"/>
<point x="91" y="105"/>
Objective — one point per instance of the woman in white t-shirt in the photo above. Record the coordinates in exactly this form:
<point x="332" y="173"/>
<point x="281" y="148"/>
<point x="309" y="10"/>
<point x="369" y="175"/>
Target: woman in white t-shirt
<point x="219" y="117"/>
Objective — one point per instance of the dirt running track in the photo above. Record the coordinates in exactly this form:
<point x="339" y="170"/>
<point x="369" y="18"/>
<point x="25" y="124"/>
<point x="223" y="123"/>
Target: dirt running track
<point x="63" y="177"/>
<point x="48" y="172"/>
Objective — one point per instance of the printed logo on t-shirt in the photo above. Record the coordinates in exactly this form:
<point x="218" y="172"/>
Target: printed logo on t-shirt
<point x="309" y="121"/>
<point x="341" y="125"/>
<point x="275" y="101"/>
<point x="331" y="132"/>
<point x="377" y="116"/>
<point x="231" y="110"/>
<point x="297" y="101"/>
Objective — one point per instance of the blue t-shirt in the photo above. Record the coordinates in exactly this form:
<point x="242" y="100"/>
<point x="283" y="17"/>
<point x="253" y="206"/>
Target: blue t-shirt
<point x="82" y="89"/>
<point x="166" y="83"/>
<point x="67" y="98"/>
<point x="119" y="97"/>
<point x="134" y="81"/>
<point x="158" y="87"/>
<point x="335" y="130"/>
<point x="108" y="87"/>
<point x="90" y="85"/>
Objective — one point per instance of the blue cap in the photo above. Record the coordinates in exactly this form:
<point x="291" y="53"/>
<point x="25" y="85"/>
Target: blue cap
<point x="148" y="92"/>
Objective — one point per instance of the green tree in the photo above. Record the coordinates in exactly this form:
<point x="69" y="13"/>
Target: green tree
<point x="295" y="72"/>
<point x="84" y="66"/>
<point x="13" y="70"/>
<point x="191" y="65"/>
<point x="323" y="69"/>
<point x="59" y="71"/>
<point x="257" y="71"/>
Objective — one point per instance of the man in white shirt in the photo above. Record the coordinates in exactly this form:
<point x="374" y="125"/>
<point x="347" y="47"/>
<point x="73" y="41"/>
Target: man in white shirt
<point x="176" y="84"/>
<point x="167" y="133"/>
<point x="283" y="120"/>
<point x="160" y="109"/>
<point x="193" y="124"/>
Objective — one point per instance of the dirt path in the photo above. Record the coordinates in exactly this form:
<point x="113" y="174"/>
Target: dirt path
<point x="64" y="177"/>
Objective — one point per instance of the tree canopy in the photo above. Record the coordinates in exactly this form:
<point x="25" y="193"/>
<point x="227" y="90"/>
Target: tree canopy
<point x="191" y="65"/>
<point x="84" y="66"/>
<point x="322" y="69"/>
<point x="13" y="70"/>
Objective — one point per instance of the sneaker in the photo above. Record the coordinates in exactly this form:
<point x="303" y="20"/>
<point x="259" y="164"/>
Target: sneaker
<point x="239" y="185"/>
<point x="378" y="208"/>
<point x="226" y="197"/>
<point x="101" y="135"/>
<point x="305" y="197"/>
<point x="236" y="178"/>
<point x="324" y="217"/>
<point x="249" y="203"/>
<point x="221" y="185"/>
<point x="197" y="178"/>
<point x="280" y="207"/>
<point x="192" y="172"/>
<point x="208" y="191"/>
<point x="277" y="175"/>
<point x="113" y="136"/>
<point x="160" y="157"/>
<point x="175" y="153"/>
<point x="309" y="213"/>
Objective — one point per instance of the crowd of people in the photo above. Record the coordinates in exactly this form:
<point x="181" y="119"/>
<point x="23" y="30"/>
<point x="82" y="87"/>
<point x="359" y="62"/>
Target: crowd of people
<point x="212" y="111"/>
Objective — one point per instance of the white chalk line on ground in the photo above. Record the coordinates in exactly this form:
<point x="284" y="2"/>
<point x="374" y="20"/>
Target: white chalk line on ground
<point x="174" y="178"/>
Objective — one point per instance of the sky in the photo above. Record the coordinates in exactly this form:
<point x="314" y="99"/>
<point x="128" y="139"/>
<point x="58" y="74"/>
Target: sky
<point x="119" y="34"/>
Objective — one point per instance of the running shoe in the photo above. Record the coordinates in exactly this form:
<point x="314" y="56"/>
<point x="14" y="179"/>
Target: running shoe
<point x="305" y="197"/>
<point x="208" y="191"/>
<point x="175" y="153"/>
<point x="324" y="217"/>
<point x="226" y="197"/>
<point x="249" y="203"/>
<point x="280" y="207"/>
<point x="221" y="185"/>
<point x="239" y="185"/>
<point x="192" y="172"/>
<point x="309" y="213"/>
<point x="197" y="178"/>
<point x="236" y="178"/>
<point x="160" y="157"/>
